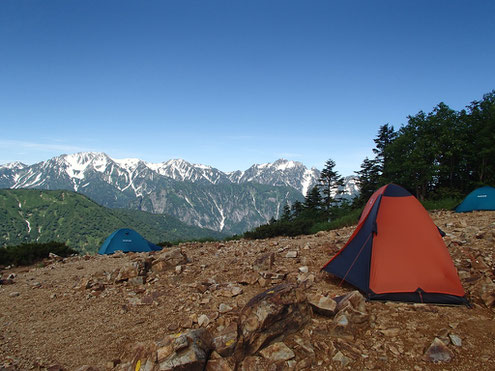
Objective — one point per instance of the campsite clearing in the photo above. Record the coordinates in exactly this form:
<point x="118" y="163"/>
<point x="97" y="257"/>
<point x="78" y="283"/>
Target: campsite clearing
<point x="78" y="312"/>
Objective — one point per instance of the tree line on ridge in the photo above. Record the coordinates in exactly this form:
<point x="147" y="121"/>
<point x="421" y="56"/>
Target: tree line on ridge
<point x="440" y="155"/>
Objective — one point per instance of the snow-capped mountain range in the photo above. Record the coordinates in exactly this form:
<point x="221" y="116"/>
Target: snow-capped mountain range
<point x="197" y="194"/>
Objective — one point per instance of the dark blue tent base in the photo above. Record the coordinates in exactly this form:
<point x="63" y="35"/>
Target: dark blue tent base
<point x="424" y="297"/>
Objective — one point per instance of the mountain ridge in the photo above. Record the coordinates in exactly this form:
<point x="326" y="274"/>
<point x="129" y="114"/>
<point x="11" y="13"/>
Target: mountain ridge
<point x="30" y="215"/>
<point x="200" y="195"/>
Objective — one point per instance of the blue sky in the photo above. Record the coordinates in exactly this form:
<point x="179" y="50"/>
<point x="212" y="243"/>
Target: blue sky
<point x="231" y="83"/>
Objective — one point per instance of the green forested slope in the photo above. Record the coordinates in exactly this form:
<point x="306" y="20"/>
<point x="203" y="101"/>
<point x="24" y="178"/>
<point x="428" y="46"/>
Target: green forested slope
<point x="28" y="215"/>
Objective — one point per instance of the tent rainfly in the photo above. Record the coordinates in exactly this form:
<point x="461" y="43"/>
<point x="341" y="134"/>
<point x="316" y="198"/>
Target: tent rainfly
<point x="480" y="199"/>
<point x="126" y="240"/>
<point x="397" y="253"/>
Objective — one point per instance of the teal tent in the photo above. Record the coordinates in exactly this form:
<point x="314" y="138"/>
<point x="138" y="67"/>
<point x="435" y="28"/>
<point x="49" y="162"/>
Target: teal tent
<point x="126" y="240"/>
<point x="480" y="199"/>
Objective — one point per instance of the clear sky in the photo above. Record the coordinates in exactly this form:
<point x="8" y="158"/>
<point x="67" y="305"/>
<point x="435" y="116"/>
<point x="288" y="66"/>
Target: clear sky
<point x="231" y="83"/>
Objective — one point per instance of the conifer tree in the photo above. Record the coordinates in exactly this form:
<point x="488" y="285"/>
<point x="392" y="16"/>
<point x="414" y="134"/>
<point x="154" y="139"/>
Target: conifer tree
<point x="297" y="208"/>
<point x="313" y="199"/>
<point x="330" y="180"/>
<point x="385" y="137"/>
<point x="368" y="180"/>
<point x="286" y="215"/>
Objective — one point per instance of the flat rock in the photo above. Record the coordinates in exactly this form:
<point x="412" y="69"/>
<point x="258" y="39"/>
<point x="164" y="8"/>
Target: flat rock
<point x="277" y="352"/>
<point x="304" y="269"/>
<point x="203" y="320"/>
<point x="291" y="254"/>
<point x="391" y="332"/>
<point x="224" y="308"/>
<point x="323" y="305"/>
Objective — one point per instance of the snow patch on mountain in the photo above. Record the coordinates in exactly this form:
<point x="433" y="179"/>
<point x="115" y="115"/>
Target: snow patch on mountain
<point x="129" y="164"/>
<point x="16" y="165"/>
<point x="158" y="187"/>
<point x="307" y="181"/>
<point x="283" y="165"/>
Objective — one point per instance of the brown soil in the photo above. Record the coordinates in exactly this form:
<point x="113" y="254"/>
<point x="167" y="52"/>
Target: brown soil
<point x="53" y="321"/>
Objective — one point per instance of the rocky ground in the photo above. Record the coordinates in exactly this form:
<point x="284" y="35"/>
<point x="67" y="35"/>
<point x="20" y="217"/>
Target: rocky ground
<point x="246" y="304"/>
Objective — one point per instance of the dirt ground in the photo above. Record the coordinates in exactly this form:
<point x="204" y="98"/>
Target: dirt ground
<point x="49" y="317"/>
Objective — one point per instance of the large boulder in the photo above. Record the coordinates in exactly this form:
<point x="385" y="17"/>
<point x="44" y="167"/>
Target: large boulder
<point x="270" y="315"/>
<point x="353" y="305"/>
<point x="350" y="315"/>
<point x="188" y="351"/>
<point x="224" y="343"/>
<point x="169" y="259"/>
<point x="323" y="305"/>
<point x="138" y="268"/>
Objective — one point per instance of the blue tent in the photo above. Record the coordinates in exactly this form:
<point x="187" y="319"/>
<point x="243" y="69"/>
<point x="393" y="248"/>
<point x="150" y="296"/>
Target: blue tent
<point x="480" y="199"/>
<point x="126" y="240"/>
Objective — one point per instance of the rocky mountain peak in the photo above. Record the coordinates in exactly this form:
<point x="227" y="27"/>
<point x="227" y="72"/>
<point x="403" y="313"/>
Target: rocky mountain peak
<point x="16" y="165"/>
<point x="196" y="194"/>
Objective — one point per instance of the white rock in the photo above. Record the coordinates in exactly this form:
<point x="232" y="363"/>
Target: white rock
<point x="224" y="308"/>
<point x="291" y="254"/>
<point x="456" y="340"/>
<point x="203" y="320"/>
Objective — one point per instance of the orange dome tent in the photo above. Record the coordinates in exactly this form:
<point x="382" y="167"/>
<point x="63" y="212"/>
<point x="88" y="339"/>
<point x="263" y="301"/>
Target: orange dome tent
<point x="397" y="253"/>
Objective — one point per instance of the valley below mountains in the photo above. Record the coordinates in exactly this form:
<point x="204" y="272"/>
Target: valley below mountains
<point x="197" y="195"/>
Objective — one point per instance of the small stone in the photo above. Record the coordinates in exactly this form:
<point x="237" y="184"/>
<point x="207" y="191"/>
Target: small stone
<point x="14" y="294"/>
<point x="438" y="352"/>
<point x="236" y="290"/>
<point x="53" y="256"/>
<point x="291" y="254"/>
<point x="262" y="282"/>
<point x="136" y="281"/>
<point x="391" y="332"/>
<point x="456" y="340"/>
<point x="224" y="308"/>
<point x="178" y="269"/>
<point x="277" y="352"/>
<point x="203" y="320"/>
<point x="264" y="262"/>
<point x="303" y="269"/>
<point x="342" y="321"/>
<point x="340" y="357"/>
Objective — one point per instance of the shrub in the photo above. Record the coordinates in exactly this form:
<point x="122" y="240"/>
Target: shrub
<point x="27" y="254"/>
